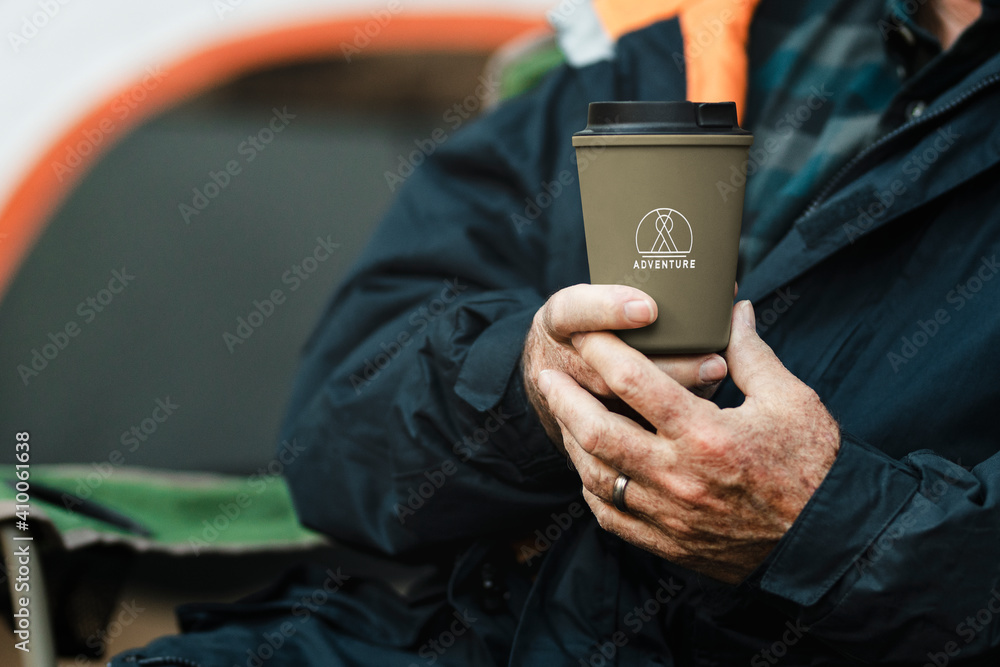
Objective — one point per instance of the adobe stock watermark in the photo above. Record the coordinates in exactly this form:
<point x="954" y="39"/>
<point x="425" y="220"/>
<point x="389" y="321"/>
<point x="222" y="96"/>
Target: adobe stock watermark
<point x="959" y="298"/>
<point x="544" y="538"/>
<point x="793" y="633"/>
<point x="420" y="494"/>
<point x="231" y="511"/>
<point x="605" y="651"/>
<point x="370" y="30"/>
<point x="224" y="7"/>
<point x="273" y="640"/>
<point x="296" y="275"/>
<point x="760" y="154"/>
<point x="98" y="642"/>
<point x="248" y="149"/>
<point x="967" y="631"/>
<point x="456" y="116"/>
<point x="418" y="321"/>
<point x="433" y="649"/>
<point x="563" y="11"/>
<point x="131" y="440"/>
<point x="88" y="310"/>
<point x="913" y="168"/>
<point x="35" y="22"/>
<point x="472" y="442"/>
<point x="549" y="191"/>
<point x="769" y="313"/>
<point x="417" y="496"/>
<point x="543" y="199"/>
<point x="88" y="139"/>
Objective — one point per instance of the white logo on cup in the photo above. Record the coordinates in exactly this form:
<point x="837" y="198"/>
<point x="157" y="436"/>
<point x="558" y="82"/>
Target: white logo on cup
<point x="663" y="232"/>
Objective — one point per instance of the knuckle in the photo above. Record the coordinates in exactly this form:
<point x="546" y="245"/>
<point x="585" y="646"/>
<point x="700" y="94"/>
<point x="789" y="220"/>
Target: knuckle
<point x="549" y="320"/>
<point x="625" y="380"/>
<point x="617" y="294"/>
<point x="540" y="320"/>
<point x="532" y="346"/>
<point x="562" y="309"/>
<point x="597" y="386"/>
<point x="589" y="476"/>
<point x="808" y="396"/>
<point x="680" y="530"/>
<point x="592" y="436"/>
<point x="613" y="296"/>
<point x="713" y="441"/>
<point x="691" y="494"/>
<point x="608" y="482"/>
<point x="595" y="503"/>
<point x="607" y="443"/>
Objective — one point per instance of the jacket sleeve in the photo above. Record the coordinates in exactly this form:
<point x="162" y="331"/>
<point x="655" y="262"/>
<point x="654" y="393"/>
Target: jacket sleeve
<point x="409" y="409"/>
<point x="918" y="581"/>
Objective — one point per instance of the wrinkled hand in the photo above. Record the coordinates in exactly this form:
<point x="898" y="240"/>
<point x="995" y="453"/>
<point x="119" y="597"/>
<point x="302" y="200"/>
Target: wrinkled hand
<point x="586" y="308"/>
<point x="712" y="489"/>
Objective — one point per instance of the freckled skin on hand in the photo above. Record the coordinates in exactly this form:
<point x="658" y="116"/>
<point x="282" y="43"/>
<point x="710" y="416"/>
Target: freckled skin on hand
<point x="713" y="490"/>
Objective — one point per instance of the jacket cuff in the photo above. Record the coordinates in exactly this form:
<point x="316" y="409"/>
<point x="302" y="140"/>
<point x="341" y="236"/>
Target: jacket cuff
<point x="861" y="494"/>
<point x="491" y="380"/>
<point x="489" y="366"/>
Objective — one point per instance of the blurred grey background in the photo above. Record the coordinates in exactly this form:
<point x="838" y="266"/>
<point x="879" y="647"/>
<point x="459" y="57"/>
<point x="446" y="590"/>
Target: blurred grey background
<point x="161" y="337"/>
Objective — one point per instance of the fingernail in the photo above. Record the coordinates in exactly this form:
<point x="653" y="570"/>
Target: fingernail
<point x="712" y="370"/>
<point x="748" y="316"/>
<point x="577" y="339"/>
<point x="639" y="311"/>
<point x="544" y="381"/>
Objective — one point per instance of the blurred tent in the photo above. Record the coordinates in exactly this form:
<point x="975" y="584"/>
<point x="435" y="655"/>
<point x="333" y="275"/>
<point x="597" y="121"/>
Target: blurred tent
<point x="113" y="112"/>
<point x="83" y="80"/>
<point x="77" y="76"/>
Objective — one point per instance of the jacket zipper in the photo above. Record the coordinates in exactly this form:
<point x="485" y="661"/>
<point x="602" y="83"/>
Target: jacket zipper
<point x="832" y="185"/>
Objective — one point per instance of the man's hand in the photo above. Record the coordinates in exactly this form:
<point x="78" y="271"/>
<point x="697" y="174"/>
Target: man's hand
<point x="586" y="308"/>
<point x="713" y="490"/>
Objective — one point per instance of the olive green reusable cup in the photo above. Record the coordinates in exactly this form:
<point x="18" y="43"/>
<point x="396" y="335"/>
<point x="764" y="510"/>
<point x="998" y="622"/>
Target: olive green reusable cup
<point x="662" y="190"/>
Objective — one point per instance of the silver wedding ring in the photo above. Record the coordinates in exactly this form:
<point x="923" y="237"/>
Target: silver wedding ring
<point x="618" y="493"/>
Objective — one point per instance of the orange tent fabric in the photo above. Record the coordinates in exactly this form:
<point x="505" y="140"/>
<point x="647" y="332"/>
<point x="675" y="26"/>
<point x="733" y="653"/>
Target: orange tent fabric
<point x="43" y="187"/>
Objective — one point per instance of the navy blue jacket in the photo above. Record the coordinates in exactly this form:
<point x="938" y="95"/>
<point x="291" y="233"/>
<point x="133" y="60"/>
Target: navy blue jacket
<point x="419" y="440"/>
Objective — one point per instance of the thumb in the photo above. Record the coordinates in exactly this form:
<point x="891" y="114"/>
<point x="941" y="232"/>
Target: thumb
<point x="753" y="366"/>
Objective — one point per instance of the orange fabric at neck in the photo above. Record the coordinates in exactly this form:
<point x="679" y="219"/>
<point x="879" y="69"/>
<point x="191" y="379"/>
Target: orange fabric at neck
<point x="715" y="38"/>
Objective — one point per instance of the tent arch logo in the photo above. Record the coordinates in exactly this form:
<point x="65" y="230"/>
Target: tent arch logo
<point x="664" y="232"/>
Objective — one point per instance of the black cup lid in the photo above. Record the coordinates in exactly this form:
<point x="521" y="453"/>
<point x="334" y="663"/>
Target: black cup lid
<point x="662" y="118"/>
